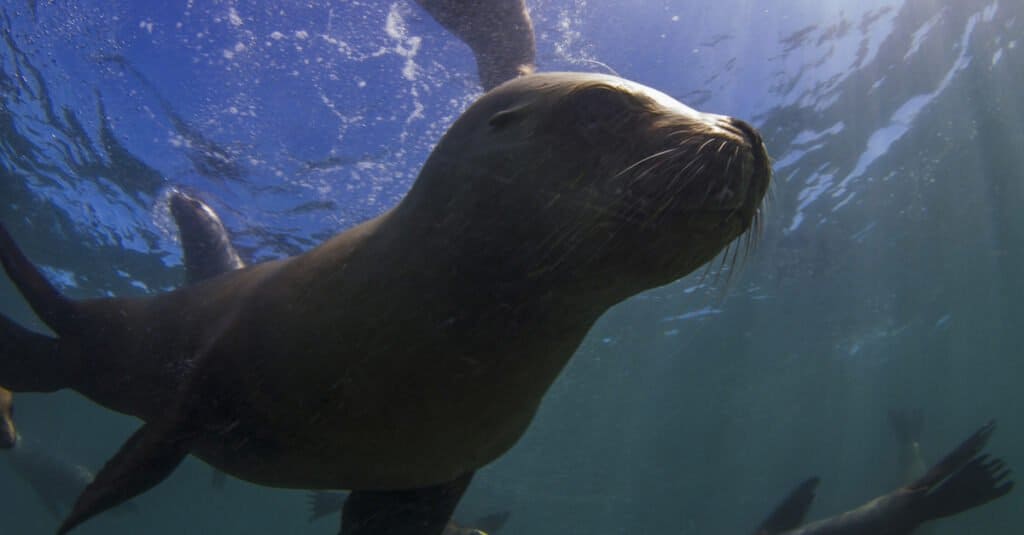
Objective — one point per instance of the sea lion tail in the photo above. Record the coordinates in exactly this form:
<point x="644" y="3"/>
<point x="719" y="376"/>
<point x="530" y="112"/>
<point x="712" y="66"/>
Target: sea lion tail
<point x="29" y="361"/>
<point x="791" y="512"/>
<point x="963" y="479"/>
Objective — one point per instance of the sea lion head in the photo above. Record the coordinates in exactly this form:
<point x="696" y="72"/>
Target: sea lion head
<point x="204" y="240"/>
<point x="589" y="183"/>
<point x="8" y="433"/>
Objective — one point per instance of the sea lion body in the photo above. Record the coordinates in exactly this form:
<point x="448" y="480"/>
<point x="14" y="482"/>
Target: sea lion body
<point x="416" y="347"/>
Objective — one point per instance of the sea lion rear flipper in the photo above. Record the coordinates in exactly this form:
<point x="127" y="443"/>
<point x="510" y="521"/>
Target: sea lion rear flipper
<point x="423" y="511"/>
<point x="956" y="458"/>
<point x="29" y="361"/>
<point x="324" y="503"/>
<point x="147" y="458"/>
<point x="963" y="479"/>
<point x="791" y="512"/>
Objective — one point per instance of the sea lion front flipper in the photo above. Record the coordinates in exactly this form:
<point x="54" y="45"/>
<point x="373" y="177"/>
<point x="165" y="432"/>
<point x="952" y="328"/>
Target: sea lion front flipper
<point x="423" y="511"/>
<point x="791" y="512"/>
<point x="146" y="459"/>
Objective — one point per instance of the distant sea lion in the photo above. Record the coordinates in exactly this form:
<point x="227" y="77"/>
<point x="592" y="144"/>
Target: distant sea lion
<point x="407" y="352"/>
<point x="8" y="432"/>
<point x="323" y="504"/>
<point x="499" y="32"/>
<point x="964" y="479"/>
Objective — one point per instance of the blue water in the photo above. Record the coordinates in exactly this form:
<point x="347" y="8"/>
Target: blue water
<point x="888" y="275"/>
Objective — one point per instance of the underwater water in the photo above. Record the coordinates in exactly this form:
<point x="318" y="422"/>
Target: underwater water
<point x="886" y="278"/>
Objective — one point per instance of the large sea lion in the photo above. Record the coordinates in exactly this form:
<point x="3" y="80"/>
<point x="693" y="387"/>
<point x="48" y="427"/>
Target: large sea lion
<point x="964" y="479"/>
<point x="499" y="32"/>
<point x="407" y="352"/>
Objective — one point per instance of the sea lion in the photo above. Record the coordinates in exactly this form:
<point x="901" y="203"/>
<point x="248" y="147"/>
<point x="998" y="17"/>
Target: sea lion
<point x="8" y="432"/>
<point x="964" y="479"/>
<point x="324" y="503"/>
<point x="499" y="32"/>
<point x="407" y="352"/>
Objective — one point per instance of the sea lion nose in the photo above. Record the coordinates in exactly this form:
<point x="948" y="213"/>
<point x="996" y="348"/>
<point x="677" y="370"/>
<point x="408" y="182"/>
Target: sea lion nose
<point x="750" y="133"/>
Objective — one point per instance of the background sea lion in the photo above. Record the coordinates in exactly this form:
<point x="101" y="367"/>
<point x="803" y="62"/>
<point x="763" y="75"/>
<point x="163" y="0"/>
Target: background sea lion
<point x="403" y="354"/>
<point x="499" y="32"/>
<point x="964" y="479"/>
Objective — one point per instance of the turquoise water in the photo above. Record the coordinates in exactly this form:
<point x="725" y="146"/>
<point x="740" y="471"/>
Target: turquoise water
<point x="886" y="277"/>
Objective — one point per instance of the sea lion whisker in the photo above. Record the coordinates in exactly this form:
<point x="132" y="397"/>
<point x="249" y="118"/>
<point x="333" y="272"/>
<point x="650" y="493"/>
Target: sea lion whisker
<point x="644" y="160"/>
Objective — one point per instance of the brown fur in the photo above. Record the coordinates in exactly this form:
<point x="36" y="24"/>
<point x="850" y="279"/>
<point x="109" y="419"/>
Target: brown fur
<point x="416" y="347"/>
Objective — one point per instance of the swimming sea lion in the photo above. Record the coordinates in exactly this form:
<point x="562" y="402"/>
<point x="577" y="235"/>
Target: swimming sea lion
<point x="8" y="432"/>
<point x="499" y="32"/>
<point x="324" y="503"/>
<point x="964" y="479"/>
<point x="407" y="352"/>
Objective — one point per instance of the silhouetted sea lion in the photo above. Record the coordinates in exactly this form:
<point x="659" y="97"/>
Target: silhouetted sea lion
<point x="964" y="479"/>
<point x="323" y="504"/>
<point x="407" y="352"/>
<point x="499" y="32"/>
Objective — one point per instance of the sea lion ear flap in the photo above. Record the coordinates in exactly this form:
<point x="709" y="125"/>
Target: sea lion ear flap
<point x="508" y="116"/>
